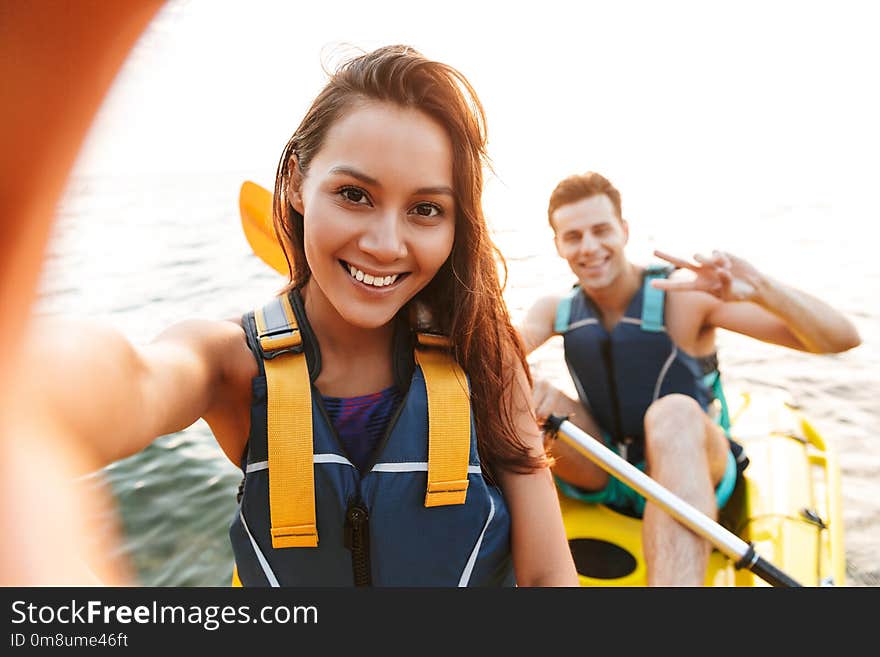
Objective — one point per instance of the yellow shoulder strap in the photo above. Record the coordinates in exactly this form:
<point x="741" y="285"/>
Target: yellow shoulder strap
<point x="289" y="423"/>
<point x="449" y="421"/>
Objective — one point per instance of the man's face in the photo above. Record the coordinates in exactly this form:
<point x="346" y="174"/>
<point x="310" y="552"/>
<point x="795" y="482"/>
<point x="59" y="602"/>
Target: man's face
<point x="591" y="238"/>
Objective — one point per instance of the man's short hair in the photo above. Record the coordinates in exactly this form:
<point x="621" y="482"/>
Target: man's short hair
<point x="578" y="187"/>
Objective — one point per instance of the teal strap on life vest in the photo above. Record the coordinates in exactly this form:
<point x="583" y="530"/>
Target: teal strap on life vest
<point x="713" y="381"/>
<point x="652" y="299"/>
<point x="563" y="311"/>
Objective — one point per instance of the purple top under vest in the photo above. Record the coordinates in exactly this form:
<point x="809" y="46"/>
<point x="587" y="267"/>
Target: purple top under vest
<point x="360" y="422"/>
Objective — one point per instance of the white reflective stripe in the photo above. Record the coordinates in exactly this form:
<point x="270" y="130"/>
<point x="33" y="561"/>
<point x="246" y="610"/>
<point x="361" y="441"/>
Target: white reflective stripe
<point x="332" y="458"/>
<point x="582" y="322"/>
<point x="411" y="466"/>
<point x="582" y="395"/>
<point x="414" y="466"/>
<point x="664" y="370"/>
<point x="593" y="320"/>
<point x="318" y="458"/>
<point x="469" y="566"/>
<point x="638" y="322"/>
<point x="401" y="467"/>
<point x="267" y="570"/>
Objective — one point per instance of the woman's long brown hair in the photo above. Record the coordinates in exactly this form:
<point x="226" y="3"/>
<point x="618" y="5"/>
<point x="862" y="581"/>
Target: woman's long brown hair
<point x="465" y="296"/>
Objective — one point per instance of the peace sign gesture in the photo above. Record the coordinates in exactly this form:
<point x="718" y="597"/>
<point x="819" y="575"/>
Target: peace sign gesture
<point x="722" y="275"/>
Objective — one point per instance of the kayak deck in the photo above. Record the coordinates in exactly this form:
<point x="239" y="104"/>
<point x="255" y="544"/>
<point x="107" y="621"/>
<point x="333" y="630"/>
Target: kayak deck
<point x="788" y="504"/>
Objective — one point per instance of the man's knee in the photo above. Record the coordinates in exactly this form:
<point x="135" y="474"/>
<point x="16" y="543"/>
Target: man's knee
<point x="674" y="427"/>
<point x="672" y="410"/>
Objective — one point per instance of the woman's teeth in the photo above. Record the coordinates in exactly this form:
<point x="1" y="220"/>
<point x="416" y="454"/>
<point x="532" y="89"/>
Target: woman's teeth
<point x="369" y="279"/>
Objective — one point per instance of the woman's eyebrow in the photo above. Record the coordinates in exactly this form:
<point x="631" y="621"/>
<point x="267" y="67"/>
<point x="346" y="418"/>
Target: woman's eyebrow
<point x="369" y="180"/>
<point x="354" y="173"/>
<point x="439" y="189"/>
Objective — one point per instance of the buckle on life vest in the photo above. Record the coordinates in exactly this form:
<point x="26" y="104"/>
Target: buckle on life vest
<point x="277" y="328"/>
<point x="275" y="343"/>
<point x="295" y="536"/>
<point x="442" y="493"/>
<point x="433" y="340"/>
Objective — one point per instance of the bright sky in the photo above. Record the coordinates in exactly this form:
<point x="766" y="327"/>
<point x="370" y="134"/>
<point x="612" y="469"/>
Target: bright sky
<point x="681" y="104"/>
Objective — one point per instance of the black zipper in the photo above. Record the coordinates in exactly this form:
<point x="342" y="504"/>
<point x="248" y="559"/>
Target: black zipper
<point x="608" y="357"/>
<point x="357" y="539"/>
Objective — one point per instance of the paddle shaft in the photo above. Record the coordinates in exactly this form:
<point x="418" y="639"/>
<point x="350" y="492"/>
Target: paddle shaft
<point x="743" y="554"/>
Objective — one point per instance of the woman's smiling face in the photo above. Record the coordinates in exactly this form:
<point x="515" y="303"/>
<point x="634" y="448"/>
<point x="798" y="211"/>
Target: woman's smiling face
<point x="378" y="210"/>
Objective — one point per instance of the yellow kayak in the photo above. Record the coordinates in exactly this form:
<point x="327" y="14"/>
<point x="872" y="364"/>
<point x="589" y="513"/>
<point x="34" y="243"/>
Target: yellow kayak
<point x="788" y="506"/>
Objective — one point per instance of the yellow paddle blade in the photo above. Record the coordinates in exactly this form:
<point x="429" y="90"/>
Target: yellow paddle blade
<point x="255" y="206"/>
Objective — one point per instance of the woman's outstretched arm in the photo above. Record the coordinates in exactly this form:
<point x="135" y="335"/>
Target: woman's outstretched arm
<point x="541" y="556"/>
<point x="115" y="398"/>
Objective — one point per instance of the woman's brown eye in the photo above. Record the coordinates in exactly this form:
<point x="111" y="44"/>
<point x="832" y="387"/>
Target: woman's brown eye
<point x="353" y="195"/>
<point x="427" y="210"/>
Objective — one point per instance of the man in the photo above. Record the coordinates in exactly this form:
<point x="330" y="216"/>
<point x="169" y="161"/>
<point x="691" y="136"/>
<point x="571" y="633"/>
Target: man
<point x="640" y="346"/>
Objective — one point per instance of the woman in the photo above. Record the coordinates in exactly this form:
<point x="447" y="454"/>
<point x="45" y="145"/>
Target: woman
<point x="328" y="396"/>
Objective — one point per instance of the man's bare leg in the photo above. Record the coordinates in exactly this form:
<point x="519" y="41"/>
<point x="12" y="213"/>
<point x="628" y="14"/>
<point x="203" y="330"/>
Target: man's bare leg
<point x="687" y="454"/>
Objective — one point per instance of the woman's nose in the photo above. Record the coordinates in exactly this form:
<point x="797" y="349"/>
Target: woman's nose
<point x="383" y="239"/>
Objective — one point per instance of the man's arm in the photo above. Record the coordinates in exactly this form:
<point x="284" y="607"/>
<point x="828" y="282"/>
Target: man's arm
<point x="537" y="326"/>
<point x="753" y="304"/>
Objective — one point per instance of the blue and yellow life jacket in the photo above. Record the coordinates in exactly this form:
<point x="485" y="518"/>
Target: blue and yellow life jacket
<point x="421" y="514"/>
<point x="619" y="373"/>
